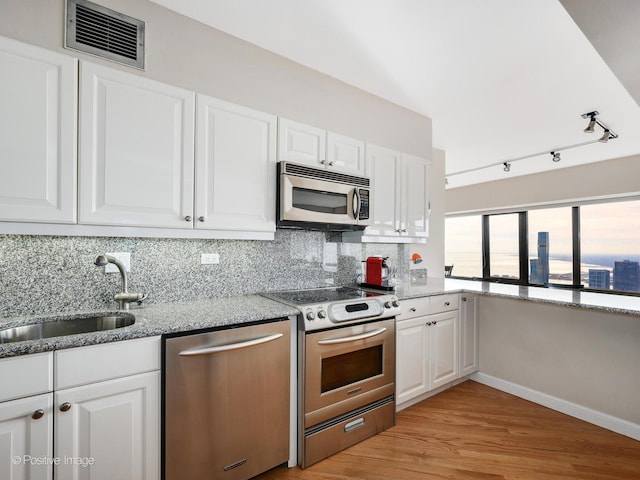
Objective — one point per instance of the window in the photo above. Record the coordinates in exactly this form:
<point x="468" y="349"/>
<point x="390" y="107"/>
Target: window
<point x="463" y="248"/>
<point x="610" y="245"/>
<point x="550" y="246"/>
<point x="504" y="244"/>
<point x="595" y="246"/>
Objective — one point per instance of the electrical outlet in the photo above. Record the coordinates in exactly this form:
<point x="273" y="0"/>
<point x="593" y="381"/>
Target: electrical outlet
<point x="124" y="257"/>
<point x="209" y="258"/>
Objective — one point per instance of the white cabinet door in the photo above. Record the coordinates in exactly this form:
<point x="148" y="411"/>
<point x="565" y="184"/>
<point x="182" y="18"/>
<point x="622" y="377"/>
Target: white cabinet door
<point x="345" y="154"/>
<point x="136" y="150"/>
<point x="414" y="203"/>
<point x="300" y="143"/>
<point x="26" y="438"/>
<point x="235" y="167"/>
<point x="469" y="358"/>
<point x="38" y="105"/>
<point x="382" y="168"/>
<point x="412" y="365"/>
<point x="443" y="346"/>
<point x="115" y="425"/>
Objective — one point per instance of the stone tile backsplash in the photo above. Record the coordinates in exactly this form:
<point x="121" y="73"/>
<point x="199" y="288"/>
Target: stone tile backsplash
<point x="44" y="274"/>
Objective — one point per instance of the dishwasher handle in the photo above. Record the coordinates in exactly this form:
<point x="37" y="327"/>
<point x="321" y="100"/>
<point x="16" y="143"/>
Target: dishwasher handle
<point x="231" y="346"/>
<point x="372" y="333"/>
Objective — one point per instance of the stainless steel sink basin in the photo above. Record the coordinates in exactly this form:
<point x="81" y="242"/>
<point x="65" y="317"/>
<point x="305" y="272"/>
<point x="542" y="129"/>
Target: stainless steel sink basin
<point x="56" y="327"/>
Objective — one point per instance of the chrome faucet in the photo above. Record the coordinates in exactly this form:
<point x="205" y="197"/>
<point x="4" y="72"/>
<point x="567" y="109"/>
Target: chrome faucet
<point x="124" y="298"/>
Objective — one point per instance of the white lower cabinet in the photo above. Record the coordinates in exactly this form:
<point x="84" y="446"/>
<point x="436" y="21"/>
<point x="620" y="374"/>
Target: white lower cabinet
<point x="469" y="357"/>
<point x="427" y="346"/>
<point x="101" y="409"/>
<point x="109" y="429"/>
<point x="26" y="438"/>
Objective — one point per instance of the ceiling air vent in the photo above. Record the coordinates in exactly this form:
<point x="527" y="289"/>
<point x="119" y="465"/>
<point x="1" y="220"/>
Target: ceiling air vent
<point x="97" y="30"/>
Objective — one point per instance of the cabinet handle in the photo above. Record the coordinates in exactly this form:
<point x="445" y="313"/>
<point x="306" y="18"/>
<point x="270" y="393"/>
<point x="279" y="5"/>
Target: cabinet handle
<point x="446" y="304"/>
<point x="202" y="218"/>
<point x="323" y="162"/>
<point x="331" y="164"/>
<point x="187" y="218"/>
<point x="413" y="309"/>
<point x="38" y="414"/>
<point x="464" y="299"/>
<point x="404" y="230"/>
<point x="435" y="322"/>
<point x="65" y="407"/>
<point x="428" y="324"/>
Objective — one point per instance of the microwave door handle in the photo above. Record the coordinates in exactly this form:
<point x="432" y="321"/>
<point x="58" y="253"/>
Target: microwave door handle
<point x="356" y="204"/>
<point x="372" y="333"/>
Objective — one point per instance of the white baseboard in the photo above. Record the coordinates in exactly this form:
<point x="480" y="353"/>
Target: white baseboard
<point x="603" y="420"/>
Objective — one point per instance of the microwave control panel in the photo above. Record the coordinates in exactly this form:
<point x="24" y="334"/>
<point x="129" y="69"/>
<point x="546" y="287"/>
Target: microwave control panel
<point x="363" y="213"/>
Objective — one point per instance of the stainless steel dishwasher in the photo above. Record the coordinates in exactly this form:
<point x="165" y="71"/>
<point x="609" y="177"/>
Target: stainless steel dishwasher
<point x="226" y="402"/>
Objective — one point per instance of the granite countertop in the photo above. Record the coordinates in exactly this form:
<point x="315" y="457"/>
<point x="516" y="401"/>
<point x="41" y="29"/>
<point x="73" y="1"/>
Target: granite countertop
<point x="612" y="303"/>
<point x="228" y="311"/>
<point x="155" y="320"/>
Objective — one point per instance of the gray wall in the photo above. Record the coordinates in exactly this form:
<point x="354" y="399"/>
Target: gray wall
<point x="611" y="178"/>
<point x="45" y="274"/>
<point x="585" y="357"/>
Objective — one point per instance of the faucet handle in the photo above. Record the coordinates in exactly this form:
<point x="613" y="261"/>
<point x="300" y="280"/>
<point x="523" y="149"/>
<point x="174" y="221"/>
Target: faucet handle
<point x="129" y="297"/>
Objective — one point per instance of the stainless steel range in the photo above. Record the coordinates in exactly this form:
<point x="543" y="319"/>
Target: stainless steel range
<point x="346" y="367"/>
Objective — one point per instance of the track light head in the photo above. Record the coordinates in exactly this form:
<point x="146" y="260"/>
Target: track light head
<point x="605" y="136"/>
<point x="507" y="167"/>
<point x="592" y="123"/>
<point x="555" y="156"/>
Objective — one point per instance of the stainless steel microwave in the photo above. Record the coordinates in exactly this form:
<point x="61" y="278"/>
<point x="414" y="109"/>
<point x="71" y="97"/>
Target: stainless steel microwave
<point x="319" y="199"/>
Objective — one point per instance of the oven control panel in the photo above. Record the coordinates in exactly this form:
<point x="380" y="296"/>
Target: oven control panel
<point x="329" y="315"/>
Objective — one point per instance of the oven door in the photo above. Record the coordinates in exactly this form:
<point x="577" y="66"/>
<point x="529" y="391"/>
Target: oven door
<point x="317" y="201"/>
<point x="347" y="368"/>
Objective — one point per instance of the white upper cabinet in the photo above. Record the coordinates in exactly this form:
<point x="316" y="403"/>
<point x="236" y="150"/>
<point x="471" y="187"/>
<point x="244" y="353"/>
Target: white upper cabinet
<point x="235" y="167"/>
<point x="383" y="168"/>
<point x="414" y="192"/>
<point x="38" y="104"/>
<point x="345" y="154"/>
<point x="300" y="143"/>
<point x="315" y="147"/>
<point x="400" y="200"/>
<point x="136" y="152"/>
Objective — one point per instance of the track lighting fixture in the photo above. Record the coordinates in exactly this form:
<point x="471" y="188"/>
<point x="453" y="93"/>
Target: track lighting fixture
<point x="555" y="153"/>
<point x="592" y="121"/>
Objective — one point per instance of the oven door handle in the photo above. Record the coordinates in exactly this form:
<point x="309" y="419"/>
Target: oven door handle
<point x="372" y="333"/>
<point x="231" y="346"/>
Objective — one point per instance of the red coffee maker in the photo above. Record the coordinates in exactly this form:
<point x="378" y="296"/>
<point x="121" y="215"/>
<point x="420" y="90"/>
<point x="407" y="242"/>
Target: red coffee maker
<point x="377" y="273"/>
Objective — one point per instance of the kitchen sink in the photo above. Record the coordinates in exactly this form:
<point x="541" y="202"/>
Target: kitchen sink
<point x="60" y="326"/>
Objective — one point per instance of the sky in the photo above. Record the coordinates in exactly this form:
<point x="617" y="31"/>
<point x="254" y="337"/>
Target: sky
<point x="607" y="228"/>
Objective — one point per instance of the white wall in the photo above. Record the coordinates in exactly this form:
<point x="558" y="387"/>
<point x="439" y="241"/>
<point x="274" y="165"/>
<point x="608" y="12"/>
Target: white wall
<point x="611" y="178"/>
<point x="585" y="357"/>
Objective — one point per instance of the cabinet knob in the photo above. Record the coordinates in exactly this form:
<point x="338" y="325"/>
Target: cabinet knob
<point x="38" y="414"/>
<point x="413" y="309"/>
<point x="202" y="218"/>
<point x="464" y="299"/>
<point x="65" y="407"/>
<point x="187" y="218"/>
<point x="446" y="304"/>
<point x="404" y="230"/>
<point x="331" y="164"/>
<point x="323" y="162"/>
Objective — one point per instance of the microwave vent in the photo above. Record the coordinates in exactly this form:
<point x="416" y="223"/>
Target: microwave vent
<point x="103" y="32"/>
<point x="304" y="171"/>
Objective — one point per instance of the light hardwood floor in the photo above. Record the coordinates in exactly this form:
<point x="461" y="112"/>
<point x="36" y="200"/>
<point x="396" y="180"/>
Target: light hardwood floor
<point x="473" y="431"/>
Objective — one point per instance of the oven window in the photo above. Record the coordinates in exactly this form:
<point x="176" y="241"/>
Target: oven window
<point x="319" y="201"/>
<point x="341" y="370"/>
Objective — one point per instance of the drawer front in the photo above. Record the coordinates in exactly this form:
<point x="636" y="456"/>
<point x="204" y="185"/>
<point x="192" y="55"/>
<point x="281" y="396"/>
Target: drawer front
<point x="322" y="444"/>
<point x="413" y="307"/>
<point x="26" y="375"/>
<point x="95" y="363"/>
<point x="443" y="303"/>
